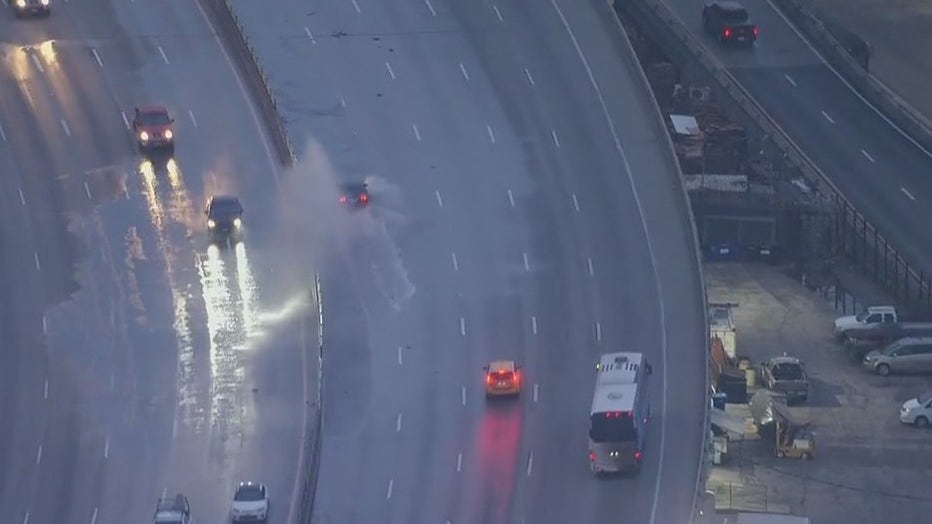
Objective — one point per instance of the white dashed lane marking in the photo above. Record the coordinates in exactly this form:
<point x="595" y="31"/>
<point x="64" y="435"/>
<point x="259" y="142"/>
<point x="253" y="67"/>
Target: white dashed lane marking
<point x="398" y="424"/>
<point x="491" y="134"/>
<point x="356" y="6"/>
<point x="2" y="133"/>
<point x="463" y="70"/>
<point x="598" y="331"/>
<point x="459" y="462"/>
<point x="790" y="80"/>
<point x="87" y="190"/>
<point x="39" y="454"/>
<point x="22" y="198"/>
<point x="590" y="267"/>
<point x="164" y="57"/>
<point x="575" y="203"/>
<point x="511" y="198"/>
<point x="399" y="355"/>
<point x="534" y="324"/>
<point x="391" y="72"/>
<point x="556" y="139"/>
<point x="456" y="264"/>
<point x="35" y="256"/>
<point x="463" y="395"/>
<point x="193" y="120"/>
<point x="417" y="133"/>
<point x="391" y="486"/>
<point x="64" y="126"/>
<point x="536" y="392"/>
<point x="439" y="198"/>
<point x="868" y="156"/>
<point x="462" y="326"/>
<point x="907" y="193"/>
<point x="430" y="7"/>
<point x="498" y="13"/>
<point x="310" y="35"/>
<point x="527" y="262"/>
<point x="97" y="57"/>
<point x="530" y="78"/>
<point x="828" y="117"/>
<point x="125" y="120"/>
<point x="45" y="390"/>
<point x="38" y="63"/>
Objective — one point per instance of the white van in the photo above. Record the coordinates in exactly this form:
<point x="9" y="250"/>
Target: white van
<point x="917" y="411"/>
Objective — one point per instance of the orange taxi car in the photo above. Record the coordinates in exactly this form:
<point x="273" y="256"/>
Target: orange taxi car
<point x="502" y="378"/>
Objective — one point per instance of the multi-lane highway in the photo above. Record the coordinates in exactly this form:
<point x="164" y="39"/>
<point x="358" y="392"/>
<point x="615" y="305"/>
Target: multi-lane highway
<point x="874" y="165"/>
<point x="135" y="359"/>
<point x="525" y="207"/>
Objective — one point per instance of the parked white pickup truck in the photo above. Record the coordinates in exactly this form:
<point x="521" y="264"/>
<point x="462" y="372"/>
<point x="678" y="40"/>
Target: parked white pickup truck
<point x="877" y="319"/>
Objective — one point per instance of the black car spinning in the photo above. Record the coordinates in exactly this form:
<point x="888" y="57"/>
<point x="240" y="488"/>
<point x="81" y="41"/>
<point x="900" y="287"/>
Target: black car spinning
<point x="355" y="194"/>
<point x="224" y="218"/>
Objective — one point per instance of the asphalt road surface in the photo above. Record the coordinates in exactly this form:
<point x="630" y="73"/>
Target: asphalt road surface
<point x="505" y="223"/>
<point x="135" y="359"/>
<point x="875" y="166"/>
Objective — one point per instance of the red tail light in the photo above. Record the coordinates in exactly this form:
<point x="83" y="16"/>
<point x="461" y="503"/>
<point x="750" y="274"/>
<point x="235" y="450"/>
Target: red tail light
<point x="488" y="379"/>
<point x="363" y="197"/>
<point x="756" y="31"/>
<point x="638" y="455"/>
<point x="592" y="456"/>
<point x="342" y="199"/>
<point x="727" y="32"/>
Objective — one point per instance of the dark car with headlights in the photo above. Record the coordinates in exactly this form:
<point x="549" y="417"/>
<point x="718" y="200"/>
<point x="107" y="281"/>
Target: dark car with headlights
<point x="224" y="219"/>
<point x="24" y="8"/>
<point x="152" y="126"/>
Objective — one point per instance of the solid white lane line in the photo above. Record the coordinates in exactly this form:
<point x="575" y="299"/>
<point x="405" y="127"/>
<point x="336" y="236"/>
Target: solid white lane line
<point x="310" y="35"/>
<point x="536" y="392"/>
<point x="907" y="193"/>
<point x="398" y="424"/>
<point x="64" y="126"/>
<point x="456" y="264"/>
<point x="498" y="13"/>
<point x="556" y="140"/>
<point x="463" y="70"/>
<point x="491" y="134"/>
<point x="530" y="78"/>
<point x="107" y="448"/>
<point x="38" y="63"/>
<point x="430" y="7"/>
<point x="417" y="134"/>
<point x="463" y="395"/>
<point x="598" y="331"/>
<point x="439" y="198"/>
<point x="575" y="203"/>
<point x="462" y="326"/>
<point x="22" y="198"/>
<point x="868" y="156"/>
<point x="97" y="57"/>
<point x="356" y="6"/>
<point x="94" y="516"/>
<point x="790" y="80"/>
<point x="589" y="265"/>
<point x="399" y="355"/>
<point x="534" y="324"/>
<point x="162" y="52"/>
<point x="2" y="133"/>
<point x="39" y="454"/>
<point x="45" y="326"/>
<point x="828" y="117"/>
<point x="459" y="462"/>
<point x="530" y="462"/>
<point x="35" y="256"/>
<point x="125" y="120"/>
<point x="391" y="72"/>
<point x="527" y="264"/>
<point x="87" y="190"/>
<point x="391" y="485"/>
<point x="511" y="198"/>
<point x="193" y="120"/>
<point x="45" y="390"/>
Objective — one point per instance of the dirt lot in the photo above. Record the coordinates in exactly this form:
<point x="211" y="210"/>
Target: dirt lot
<point x="869" y="468"/>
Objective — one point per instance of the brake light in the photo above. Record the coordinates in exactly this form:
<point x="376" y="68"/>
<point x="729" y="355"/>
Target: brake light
<point x="638" y="455"/>
<point x="756" y="31"/>
<point x="591" y="456"/>
<point x="363" y="197"/>
<point x="343" y="199"/>
<point x="488" y="379"/>
<point x="727" y="32"/>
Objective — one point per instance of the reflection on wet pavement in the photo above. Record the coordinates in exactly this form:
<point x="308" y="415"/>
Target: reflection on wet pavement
<point x="191" y="411"/>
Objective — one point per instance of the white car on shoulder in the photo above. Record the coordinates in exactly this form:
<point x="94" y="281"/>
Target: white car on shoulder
<point x="250" y="503"/>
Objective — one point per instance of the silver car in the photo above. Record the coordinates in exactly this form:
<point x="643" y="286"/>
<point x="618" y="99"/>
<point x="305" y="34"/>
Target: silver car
<point x="907" y="355"/>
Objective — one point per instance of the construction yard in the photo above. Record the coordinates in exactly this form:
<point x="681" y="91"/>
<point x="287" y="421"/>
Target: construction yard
<point x="867" y="467"/>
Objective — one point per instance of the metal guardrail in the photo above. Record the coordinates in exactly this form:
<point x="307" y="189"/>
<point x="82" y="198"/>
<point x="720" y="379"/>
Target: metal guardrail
<point x="232" y="32"/>
<point x="686" y="204"/>
<point x="314" y="444"/>
<point x="904" y="282"/>
<point x="913" y="123"/>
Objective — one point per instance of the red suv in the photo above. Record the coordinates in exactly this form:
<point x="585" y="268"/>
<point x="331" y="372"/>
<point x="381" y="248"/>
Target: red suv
<point x="153" y="128"/>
